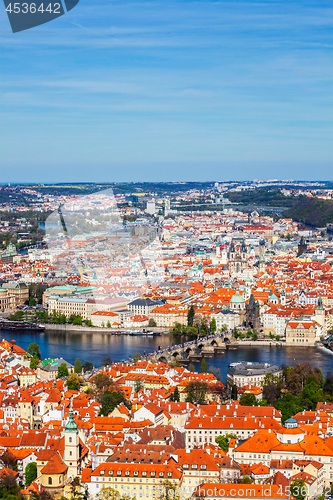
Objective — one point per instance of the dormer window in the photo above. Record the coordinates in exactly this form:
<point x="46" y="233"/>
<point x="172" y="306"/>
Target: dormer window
<point x="152" y="474"/>
<point x="169" y="474"/>
<point x="127" y="473"/>
<point x="110" y="473"/>
<point x="161" y="474"/>
<point x="102" y="473"/>
<point x="194" y="466"/>
<point x="118" y="472"/>
<point x="136" y="473"/>
<point x="144" y="474"/>
<point x="185" y="466"/>
<point x="203" y="467"/>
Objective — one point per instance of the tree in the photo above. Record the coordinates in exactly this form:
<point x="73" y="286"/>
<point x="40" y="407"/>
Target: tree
<point x="203" y="326"/>
<point x="138" y="385"/>
<point x="108" y="494"/>
<point x="168" y="491"/>
<point x="136" y="357"/>
<point x="75" y="488"/>
<point x="77" y="366"/>
<point x="101" y="381"/>
<point x="152" y="323"/>
<point x="196" y="392"/>
<point x="190" y="316"/>
<point x="71" y="318"/>
<point x="9" y="489"/>
<point x="311" y="394"/>
<point x="32" y="302"/>
<point x="108" y="324"/>
<point x="106" y="361"/>
<point x="177" y="330"/>
<point x="298" y="489"/>
<point x="88" y="322"/>
<point x="271" y="388"/>
<point x="295" y="377"/>
<point x="191" y="367"/>
<point x="34" y="350"/>
<point x="74" y="382"/>
<point x="62" y="319"/>
<point x="45" y="495"/>
<point x="216" y="372"/>
<point x="328" y="384"/>
<point x="110" y="400"/>
<point x="62" y="370"/>
<point x="246" y="480"/>
<point x="34" y="362"/>
<point x="223" y="441"/>
<point x="87" y="366"/>
<point x="78" y="320"/>
<point x="234" y="392"/>
<point x="288" y="405"/>
<point x="7" y="459"/>
<point x="213" y="326"/>
<point x="175" y="396"/>
<point x="30" y="473"/>
<point x="255" y="336"/>
<point x="203" y="367"/>
<point x="248" y="399"/>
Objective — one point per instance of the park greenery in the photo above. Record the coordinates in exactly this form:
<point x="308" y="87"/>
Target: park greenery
<point x="62" y="371"/>
<point x="30" y="473"/>
<point x="107" y="393"/>
<point x="223" y="441"/>
<point x="196" y="392"/>
<point x="300" y="388"/>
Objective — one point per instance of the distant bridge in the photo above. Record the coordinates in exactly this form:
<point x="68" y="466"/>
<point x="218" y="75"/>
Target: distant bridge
<point x="195" y="350"/>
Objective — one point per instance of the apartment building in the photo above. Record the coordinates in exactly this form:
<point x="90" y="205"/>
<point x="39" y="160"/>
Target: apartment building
<point x="302" y="332"/>
<point x="142" y="481"/>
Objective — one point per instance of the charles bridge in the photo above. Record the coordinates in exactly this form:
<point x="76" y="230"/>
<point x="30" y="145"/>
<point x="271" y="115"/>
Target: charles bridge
<point x="195" y="350"/>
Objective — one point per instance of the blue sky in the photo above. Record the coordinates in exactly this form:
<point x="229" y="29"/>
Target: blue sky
<point x="169" y="90"/>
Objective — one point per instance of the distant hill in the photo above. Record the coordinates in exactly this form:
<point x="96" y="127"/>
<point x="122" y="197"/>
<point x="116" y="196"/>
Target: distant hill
<point x="311" y="211"/>
<point x="269" y="197"/>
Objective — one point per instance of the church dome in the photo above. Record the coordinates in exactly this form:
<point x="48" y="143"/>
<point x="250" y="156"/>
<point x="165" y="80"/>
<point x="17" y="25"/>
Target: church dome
<point x="237" y="299"/>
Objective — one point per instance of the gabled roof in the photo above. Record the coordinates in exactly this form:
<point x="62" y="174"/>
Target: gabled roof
<point x="54" y="466"/>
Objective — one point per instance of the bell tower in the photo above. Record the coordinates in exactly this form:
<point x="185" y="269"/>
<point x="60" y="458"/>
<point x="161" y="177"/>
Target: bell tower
<point x="320" y="314"/>
<point x="72" y="445"/>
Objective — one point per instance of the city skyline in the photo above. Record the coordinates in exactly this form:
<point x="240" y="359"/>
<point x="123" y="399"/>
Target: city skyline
<point x="177" y="91"/>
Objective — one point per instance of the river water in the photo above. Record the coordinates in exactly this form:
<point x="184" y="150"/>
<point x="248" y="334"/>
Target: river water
<point x="95" y="346"/>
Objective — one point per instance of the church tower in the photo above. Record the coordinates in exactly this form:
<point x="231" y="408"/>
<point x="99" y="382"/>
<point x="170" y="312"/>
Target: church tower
<point x="72" y="445"/>
<point x="320" y="314"/>
<point x="283" y="298"/>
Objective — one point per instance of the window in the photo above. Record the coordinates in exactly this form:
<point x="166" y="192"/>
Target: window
<point x="59" y="479"/>
<point x="50" y="480"/>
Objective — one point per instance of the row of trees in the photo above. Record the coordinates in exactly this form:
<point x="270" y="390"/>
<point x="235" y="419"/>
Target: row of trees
<point x="250" y="334"/>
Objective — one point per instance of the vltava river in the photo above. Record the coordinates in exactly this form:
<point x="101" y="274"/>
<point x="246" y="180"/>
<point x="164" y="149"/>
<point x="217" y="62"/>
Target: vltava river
<point x="94" y="347"/>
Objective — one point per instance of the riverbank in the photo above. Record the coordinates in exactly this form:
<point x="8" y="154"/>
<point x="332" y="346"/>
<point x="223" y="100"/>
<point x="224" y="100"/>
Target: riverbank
<point x="325" y="349"/>
<point x="96" y="330"/>
<point x="95" y="344"/>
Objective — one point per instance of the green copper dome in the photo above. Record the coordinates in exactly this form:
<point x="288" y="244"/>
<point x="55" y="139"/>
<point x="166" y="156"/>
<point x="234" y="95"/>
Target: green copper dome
<point x="71" y="425"/>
